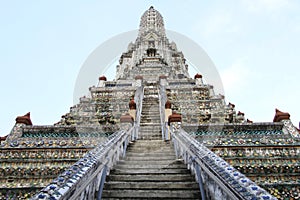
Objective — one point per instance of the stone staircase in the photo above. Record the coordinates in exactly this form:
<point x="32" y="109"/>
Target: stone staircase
<point x="150" y="127"/>
<point x="150" y="169"/>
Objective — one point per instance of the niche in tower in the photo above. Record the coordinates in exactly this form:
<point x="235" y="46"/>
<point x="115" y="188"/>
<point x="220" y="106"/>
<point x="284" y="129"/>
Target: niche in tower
<point x="151" y="52"/>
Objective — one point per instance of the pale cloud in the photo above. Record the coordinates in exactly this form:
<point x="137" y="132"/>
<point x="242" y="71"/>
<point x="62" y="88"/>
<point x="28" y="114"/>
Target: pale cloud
<point x="235" y="76"/>
<point x="266" y="5"/>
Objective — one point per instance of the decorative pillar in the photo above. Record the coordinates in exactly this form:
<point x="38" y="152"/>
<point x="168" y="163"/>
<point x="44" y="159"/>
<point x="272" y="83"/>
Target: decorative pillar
<point x="24" y="119"/>
<point x="126" y="121"/>
<point x="132" y="109"/>
<point x="198" y="78"/>
<point x="279" y="116"/>
<point x="175" y="121"/>
<point x="132" y="113"/>
<point x="102" y="80"/>
<point x="168" y="113"/>
<point x="240" y="117"/>
<point x="211" y="91"/>
<point x="163" y="80"/>
<point x="285" y="118"/>
<point x="138" y="81"/>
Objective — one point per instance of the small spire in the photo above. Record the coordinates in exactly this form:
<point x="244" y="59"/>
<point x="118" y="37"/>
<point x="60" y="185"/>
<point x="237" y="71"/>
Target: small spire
<point x="152" y="21"/>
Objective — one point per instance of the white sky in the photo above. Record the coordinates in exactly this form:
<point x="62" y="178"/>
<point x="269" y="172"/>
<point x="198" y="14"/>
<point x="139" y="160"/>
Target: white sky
<point x="254" y="44"/>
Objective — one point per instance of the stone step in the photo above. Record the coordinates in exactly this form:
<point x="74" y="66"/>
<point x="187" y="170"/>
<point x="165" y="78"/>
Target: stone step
<point x="143" y="157"/>
<point x="150" y="94"/>
<point x="152" y="185"/>
<point x="141" y="165"/>
<point x="153" y="132"/>
<point x="145" y="122"/>
<point x="148" y="137"/>
<point x="152" y="162"/>
<point x="151" y="105"/>
<point x="149" y="132"/>
<point x="150" y="112"/>
<point x="151" y="116"/>
<point x="145" y="137"/>
<point x="150" y="99"/>
<point x="151" y="171"/>
<point x="159" y="146"/>
<point x="146" y="128"/>
<point x="149" y="125"/>
<point x="150" y="177"/>
<point x="150" y="121"/>
<point x="154" y="107"/>
<point x="155" y="194"/>
<point x="151" y="143"/>
<point x="150" y="150"/>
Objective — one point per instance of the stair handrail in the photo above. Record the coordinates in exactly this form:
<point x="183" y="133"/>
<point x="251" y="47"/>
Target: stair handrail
<point x="138" y="98"/>
<point x="162" y="96"/>
<point x="207" y="165"/>
<point x="89" y="171"/>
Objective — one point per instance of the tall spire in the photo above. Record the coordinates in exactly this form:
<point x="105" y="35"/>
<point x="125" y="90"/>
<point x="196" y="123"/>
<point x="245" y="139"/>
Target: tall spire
<point x="152" y="55"/>
<point x="151" y="21"/>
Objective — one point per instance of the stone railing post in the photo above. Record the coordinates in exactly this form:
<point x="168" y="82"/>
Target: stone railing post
<point x="174" y="122"/>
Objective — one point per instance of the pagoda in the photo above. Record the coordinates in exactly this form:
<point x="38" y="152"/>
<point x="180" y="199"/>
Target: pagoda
<point x="151" y="76"/>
